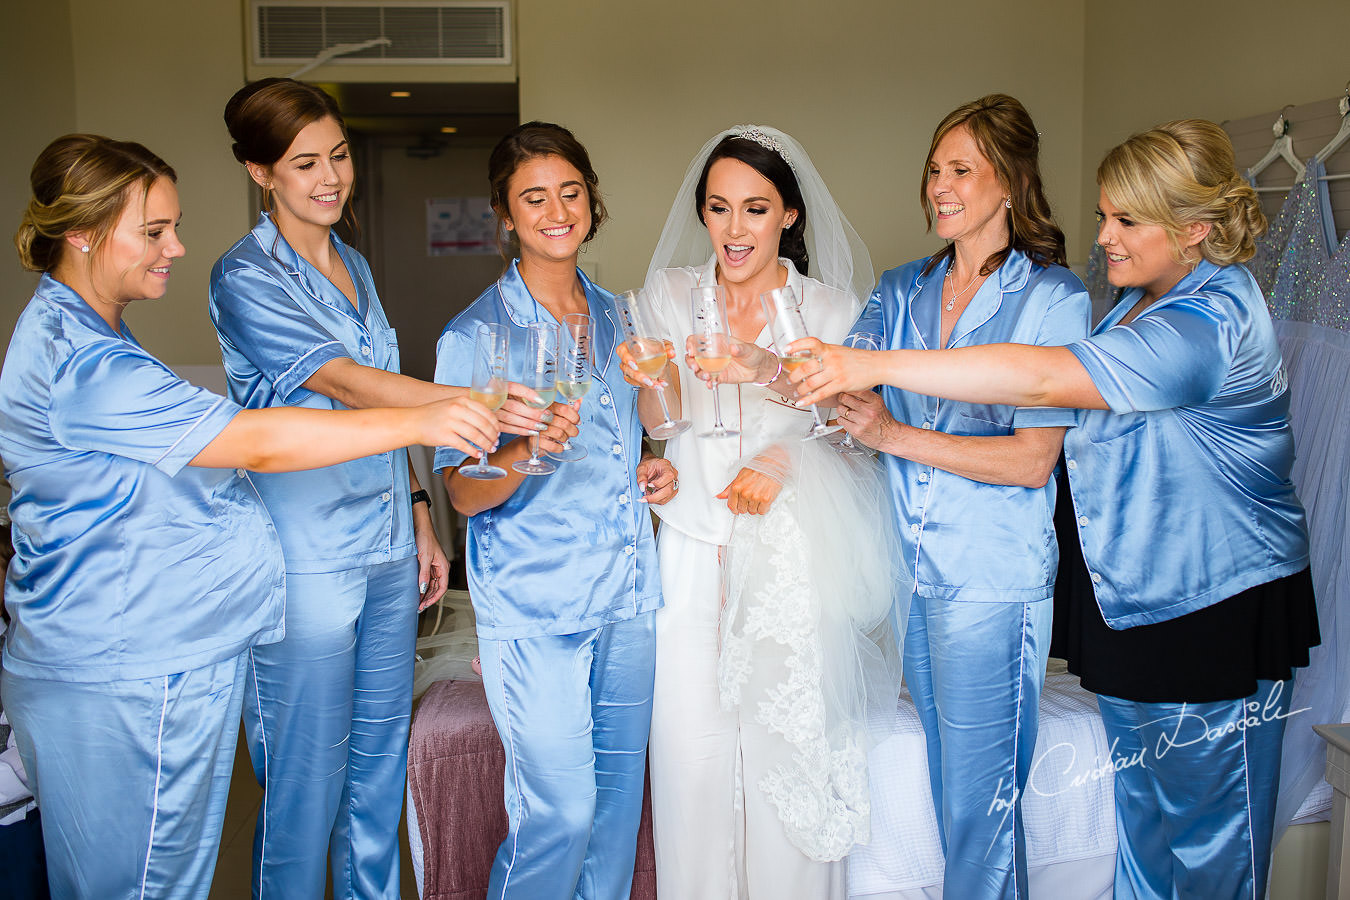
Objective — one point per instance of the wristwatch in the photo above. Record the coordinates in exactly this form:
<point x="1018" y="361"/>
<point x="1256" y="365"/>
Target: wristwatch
<point x="421" y="496"/>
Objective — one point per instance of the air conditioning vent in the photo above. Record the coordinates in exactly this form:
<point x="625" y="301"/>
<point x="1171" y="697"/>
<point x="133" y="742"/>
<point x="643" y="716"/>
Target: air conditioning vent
<point x="289" y="32"/>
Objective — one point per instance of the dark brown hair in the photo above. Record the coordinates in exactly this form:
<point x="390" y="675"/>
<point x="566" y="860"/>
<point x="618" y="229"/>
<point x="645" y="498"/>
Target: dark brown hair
<point x="527" y="142"/>
<point x="776" y="170"/>
<point x="81" y="182"/>
<point x="1005" y="134"/>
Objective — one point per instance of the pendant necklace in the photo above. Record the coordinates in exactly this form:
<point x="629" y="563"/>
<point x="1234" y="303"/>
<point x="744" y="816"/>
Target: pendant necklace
<point x="951" y="304"/>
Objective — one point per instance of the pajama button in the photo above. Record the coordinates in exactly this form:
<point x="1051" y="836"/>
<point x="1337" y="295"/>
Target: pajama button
<point x="618" y="449"/>
<point x="241" y="473"/>
<point x="1072" y="464"/>
<point x="628" y="551"/>
<point x="604" y="399"/>
<point x="385" y="496"/>
<point x="365" y="351"/>
<point x="923" y="476"/>
<point x="914" y="529"/>
<point x="928" y="425"/>
<point x="1083" y="520"/>
<point x="1096" y="578"/>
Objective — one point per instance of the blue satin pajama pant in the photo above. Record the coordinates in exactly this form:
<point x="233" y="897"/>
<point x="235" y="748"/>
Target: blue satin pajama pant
<point x="1195" y="793"/>
<point x="975" y="672"/>
<point x="327" y="716"/>
<point x="573" y="712"/>
<point x="131" y="777"/>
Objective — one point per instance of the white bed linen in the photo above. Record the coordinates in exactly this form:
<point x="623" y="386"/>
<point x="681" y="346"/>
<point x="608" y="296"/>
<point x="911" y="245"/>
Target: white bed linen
<point x="1067" y="808"/>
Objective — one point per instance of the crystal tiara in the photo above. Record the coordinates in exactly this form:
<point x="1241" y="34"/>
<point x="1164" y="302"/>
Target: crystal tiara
<point x="767" y="141"/>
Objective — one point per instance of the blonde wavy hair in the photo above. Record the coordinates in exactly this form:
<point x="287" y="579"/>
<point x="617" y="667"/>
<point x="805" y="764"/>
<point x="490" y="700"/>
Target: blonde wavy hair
<point x="81" y="182"/>
<point x="1181" y="173"/>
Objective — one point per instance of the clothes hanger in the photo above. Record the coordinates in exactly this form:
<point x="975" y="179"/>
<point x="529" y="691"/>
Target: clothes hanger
<point x="1283" y="148"/>
<point x="1341" y="136"/>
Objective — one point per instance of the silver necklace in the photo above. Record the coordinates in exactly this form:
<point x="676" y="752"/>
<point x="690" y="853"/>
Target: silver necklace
<point x="951" y="304"/>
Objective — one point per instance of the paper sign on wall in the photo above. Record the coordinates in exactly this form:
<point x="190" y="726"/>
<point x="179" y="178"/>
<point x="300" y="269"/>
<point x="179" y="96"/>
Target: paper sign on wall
<point x="459" y="226"/>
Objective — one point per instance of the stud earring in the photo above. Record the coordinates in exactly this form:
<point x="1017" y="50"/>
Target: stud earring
<point x="84" y="249"/>
<point x="1007" y="203"/>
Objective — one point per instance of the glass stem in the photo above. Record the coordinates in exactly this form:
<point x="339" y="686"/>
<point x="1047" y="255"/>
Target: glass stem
<point x="665" y="410"/>
<point x="815" y="414"/>
<point x="717" y="409"/>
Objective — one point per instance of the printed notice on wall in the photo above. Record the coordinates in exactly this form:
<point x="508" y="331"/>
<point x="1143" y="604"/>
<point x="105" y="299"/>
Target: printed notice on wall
<point x="459" y="226"/>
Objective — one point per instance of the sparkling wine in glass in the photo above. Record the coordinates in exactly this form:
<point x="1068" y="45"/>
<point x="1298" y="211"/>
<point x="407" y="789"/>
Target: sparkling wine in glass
<point x="541" y="375"/>
<point x="784" y="312"/>
<point x="640" y="332"/>
<point x="860" y="341"/>
<point x="712" y="345"/>
<point x="488" y="387"/>
<point x="574" y="371"/>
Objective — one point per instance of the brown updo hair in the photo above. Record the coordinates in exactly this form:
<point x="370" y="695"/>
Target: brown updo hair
<point x="1003" y="130"/>
<point x="81" y="182"/>
<point x="264" y="116"/>
<point x="1181" y="173"/>
<point x="522" y="144"/>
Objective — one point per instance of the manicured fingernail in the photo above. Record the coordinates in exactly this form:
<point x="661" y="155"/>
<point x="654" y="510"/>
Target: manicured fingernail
<point x="422" y="588"/>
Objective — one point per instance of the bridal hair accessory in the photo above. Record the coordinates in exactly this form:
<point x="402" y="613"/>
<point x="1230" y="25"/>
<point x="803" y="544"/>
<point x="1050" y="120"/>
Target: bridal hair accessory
<point x="767" y="141"/>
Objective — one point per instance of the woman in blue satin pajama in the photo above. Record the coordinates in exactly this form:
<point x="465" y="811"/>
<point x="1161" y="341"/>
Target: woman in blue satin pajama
<point x="300" y="324"/>
<point x="145" y="566"/>
<point x="971" y="483"/>
<point x="562" y="567"/>
<point x="1197" y="603"/>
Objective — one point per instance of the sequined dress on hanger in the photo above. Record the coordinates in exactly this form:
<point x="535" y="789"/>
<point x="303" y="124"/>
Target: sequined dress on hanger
<point x="1306" y="277"/>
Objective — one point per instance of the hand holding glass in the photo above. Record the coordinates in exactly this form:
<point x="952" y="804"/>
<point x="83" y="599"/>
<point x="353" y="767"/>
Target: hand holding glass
<point x="861" y="342"/>
<point x="541" y="375"/>
<point x="649" y="353"/>
<point x="574" y="371"/>
<point x="784" y="312"/>
<point x="712" y="345"/>
<point x="489" y="387"/>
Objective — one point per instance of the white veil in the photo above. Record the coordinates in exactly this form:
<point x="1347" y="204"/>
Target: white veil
<point x="838" y="256"/>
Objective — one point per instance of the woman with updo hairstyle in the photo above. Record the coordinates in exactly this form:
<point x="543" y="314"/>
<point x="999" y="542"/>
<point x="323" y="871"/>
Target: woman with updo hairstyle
<point x="146" y="569"/>
<point x="300" y="324"/>
<point x="561" y="566"/>
<point x="778" y="562"/>
<point x="1190" y="601"/>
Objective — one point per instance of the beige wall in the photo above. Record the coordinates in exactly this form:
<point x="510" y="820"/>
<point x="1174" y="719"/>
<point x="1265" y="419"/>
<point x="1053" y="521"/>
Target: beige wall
<point x="860" y="83"/>
<point x="1157" y="60"/>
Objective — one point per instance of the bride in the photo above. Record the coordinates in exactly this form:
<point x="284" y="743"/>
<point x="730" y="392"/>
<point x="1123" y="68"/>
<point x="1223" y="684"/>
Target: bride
<point x="778" y="570"/>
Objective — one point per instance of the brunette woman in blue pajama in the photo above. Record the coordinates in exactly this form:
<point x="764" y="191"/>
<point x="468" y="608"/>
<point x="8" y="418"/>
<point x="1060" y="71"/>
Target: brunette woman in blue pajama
<point x="300" y="324"/>
<point x="562" y="567"/>
<point x="971" y="484"/>
<point x="146" y="568"/>
<point x="1198" y="603"/>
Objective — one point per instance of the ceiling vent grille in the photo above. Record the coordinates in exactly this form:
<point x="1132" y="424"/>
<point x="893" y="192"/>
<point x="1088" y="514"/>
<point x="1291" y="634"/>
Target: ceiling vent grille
<point x="288" y="32"/>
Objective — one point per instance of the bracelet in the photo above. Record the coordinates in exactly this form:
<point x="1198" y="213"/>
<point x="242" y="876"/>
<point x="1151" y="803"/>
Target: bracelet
<point x="775" y="374"/>
<point x="421" y="496"/>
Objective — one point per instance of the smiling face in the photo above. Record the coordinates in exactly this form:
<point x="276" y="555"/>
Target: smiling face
<point x="549" y="210"/>
<point x="745" y="217"/>
<point x="966" y="193"/>
<point x="311" y="182"/>
<point x="1139" y="254"/>
<point x="133" y="261"/>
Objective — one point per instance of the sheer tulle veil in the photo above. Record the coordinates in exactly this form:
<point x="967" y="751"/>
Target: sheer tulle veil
<point x="838" y="256"/>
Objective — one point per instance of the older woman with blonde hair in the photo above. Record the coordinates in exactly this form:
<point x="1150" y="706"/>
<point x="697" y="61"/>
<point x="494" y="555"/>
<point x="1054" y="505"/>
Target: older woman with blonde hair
<point x="1193" y="544"/>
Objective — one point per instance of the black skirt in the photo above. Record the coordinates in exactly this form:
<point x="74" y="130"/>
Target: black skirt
<point x="1215" y="653"/>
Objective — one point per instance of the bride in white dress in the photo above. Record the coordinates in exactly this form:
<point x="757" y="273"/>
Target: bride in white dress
<point x="776" y="644"/>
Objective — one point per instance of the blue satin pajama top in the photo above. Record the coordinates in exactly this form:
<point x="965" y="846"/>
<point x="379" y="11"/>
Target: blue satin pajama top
<point x="573" y="550"/>
<point x="964" y="539"/>
<point x="128" y="563"/>
<point x="279" y="319"/>
<point x="1182" y="489"/>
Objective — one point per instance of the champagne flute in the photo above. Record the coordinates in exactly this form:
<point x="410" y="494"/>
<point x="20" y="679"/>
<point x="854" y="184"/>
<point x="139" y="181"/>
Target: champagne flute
<point x="848" y="446"/>
<point x="489" y="387"/>
<point x="649" y="352"/>
<point x="541" y="375"/>
<point x="574" y="371"/>
<point x="784" y="312"/>
<point x="712" y="345"/>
